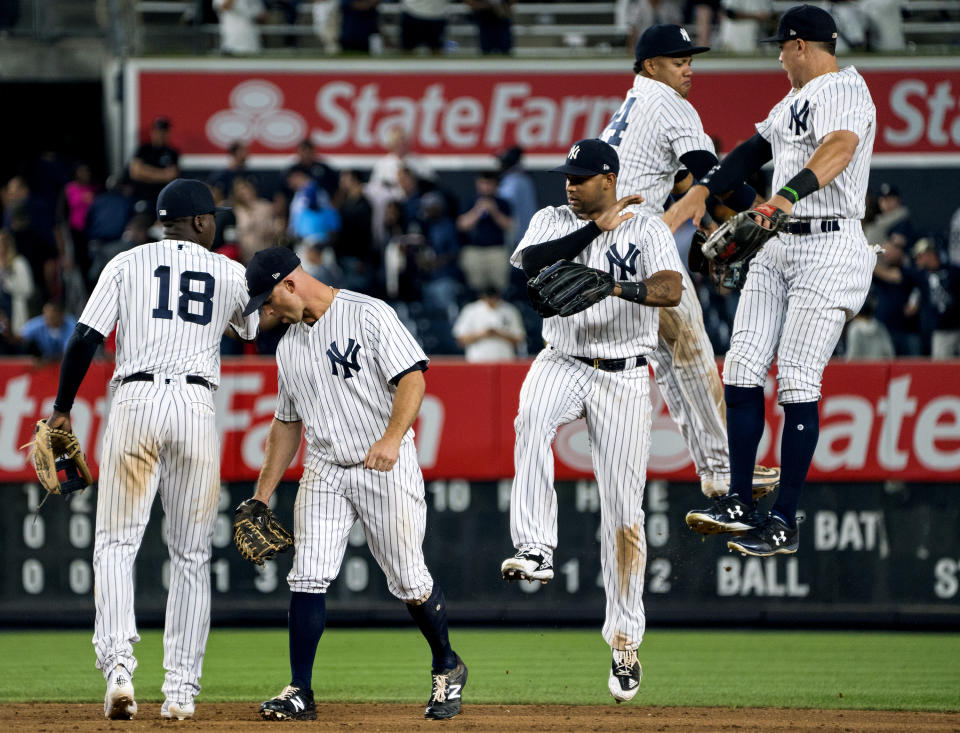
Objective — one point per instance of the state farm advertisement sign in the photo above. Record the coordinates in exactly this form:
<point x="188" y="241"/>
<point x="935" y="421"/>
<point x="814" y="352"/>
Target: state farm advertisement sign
<point x="898" y="420"/>
<point x="457" y="115"/>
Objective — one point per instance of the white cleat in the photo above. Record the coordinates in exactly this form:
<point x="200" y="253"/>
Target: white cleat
<point x="625" y="675"/>
<point x="118" y="703"/>
<point x="527" y="564"/>
<point x="173" y="710"/>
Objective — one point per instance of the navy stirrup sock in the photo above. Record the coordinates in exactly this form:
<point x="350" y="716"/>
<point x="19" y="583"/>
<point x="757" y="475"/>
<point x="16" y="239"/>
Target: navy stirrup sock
<point x="431" y="618"/>
<point x="745" y="418"/>
<point x="307" y="618"/>
<point x="801" y="430"/>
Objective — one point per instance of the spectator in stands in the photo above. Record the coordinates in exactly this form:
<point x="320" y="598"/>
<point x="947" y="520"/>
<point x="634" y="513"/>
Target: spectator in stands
<point x="45" y="336"/>
<point x="239" y="30"/>
<point x="386" y="170"/>
<point x="892" y="290"/>
<point x="222" y="180"/>
<point x="40" y="251"/>
<point x="866" y="337"/>
<point x="78" y="196"/>
<point x="359" y="21"/>
<point x="312" y="219"/>
<point x="494" y="21"/>
<point x="893" y="217"/>
<point x="486" y="225"/>
<point x="257" y="225"/>
<point x="357" y="257"/>
<point x="638" y="15"/>
<point x="441" y="279"/>
<point x="16" y="281"/>
<point x="517" y="189"/>
<point x="423" y="23"/>
<point x="107" y="218"/>
<point x="489" y="329"/>
<point x="153" y="166"/>
<point x="135" y="233"/>
<point x="851" y="25"/>
<point x="884" y="24"/>
<point x="742" y="24"/>
<point x="404" y="240"/>
<point x="703" y="14"/>
<point x="939" y="286"/>
<point x="307" y="159"/>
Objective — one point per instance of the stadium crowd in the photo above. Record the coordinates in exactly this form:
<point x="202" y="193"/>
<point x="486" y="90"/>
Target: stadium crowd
<point x="398" y="233"/>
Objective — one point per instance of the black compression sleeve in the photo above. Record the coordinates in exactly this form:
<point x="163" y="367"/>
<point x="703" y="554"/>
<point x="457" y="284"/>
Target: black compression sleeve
<point x="76" y="361"/>
<point x="742" y="161"/>
<point x="633" y="291"/>
<point x="535" y="257"/>
<point x="698" y="162"/>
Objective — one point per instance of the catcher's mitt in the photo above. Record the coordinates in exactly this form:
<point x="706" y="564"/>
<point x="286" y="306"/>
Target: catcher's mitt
<point x="565" y="288"/>
<point x="53" y="450"/>
<point x="258" y="534"/>
<point x="739" y="238"/>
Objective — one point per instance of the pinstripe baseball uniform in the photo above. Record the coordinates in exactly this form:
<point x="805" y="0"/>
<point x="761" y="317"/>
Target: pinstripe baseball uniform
<point x="339" y="376"/>
<point x="560" y="388"/>
<point x="652" y="129"/>
<point x="802" y="288"/>
<point x="170" y="302"/>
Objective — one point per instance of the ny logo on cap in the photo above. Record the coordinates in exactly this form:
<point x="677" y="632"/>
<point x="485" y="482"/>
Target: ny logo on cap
<point x="686" y="36"/>
<point x="574" y="152"/>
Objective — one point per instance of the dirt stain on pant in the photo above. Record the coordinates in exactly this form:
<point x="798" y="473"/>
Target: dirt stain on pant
<point x="631" y="557"/>
<point x="678" y="336"/>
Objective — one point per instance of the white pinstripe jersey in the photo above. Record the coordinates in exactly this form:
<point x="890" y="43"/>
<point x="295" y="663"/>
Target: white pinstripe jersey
<point x="652" y="129"/>
<point x="613" y="328"/>
<point x="797" y="125"/>
<point x="339" y="376"/>
<point x="171" y="302"/>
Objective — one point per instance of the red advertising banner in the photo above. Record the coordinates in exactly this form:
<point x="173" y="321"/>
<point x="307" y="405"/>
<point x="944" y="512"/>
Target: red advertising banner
<point x="878" y="421"/>
<point x="456" y="114"/>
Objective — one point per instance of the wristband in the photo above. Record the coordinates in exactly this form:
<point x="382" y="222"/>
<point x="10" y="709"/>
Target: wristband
<point x="634" y="292"/>
<point x="802" y="184"/>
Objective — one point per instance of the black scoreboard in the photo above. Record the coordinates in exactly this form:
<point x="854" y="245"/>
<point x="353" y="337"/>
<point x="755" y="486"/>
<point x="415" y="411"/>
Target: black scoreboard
<point x="869" y="553"/>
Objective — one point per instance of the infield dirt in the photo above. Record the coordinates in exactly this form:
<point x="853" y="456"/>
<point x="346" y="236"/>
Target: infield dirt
<point x="390" y="718"/>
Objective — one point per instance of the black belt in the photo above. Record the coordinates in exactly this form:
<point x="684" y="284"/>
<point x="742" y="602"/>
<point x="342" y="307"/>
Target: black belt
<point x="148" y="377"/>
<point x="611" y="365"/>
<point x="803" y="227"/>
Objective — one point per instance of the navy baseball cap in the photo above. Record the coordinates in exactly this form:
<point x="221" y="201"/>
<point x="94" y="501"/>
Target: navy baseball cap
<point x="590" y="157"/>
<point x="267" y="268"/>
<point x="186" y="197"/>
<point x="806" y="22"/>
<point x="665" y="40"/>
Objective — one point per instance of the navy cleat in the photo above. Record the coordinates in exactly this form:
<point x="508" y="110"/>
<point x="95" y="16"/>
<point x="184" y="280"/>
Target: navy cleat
<point x="727" y="514"/>
<point x="447" y="688"/>
<point x="772" y="537"/>
<point x="293" y="703"/>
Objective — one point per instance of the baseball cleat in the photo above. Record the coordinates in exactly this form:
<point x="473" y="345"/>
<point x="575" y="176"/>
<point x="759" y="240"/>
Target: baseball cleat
<point x="444" y="700"/>
<point x="173" y="710"/>
<point x="527" y="565"/>
<point x="293" y="703"/>
<point x="765" y="481"/>
<point x="771" y="537"/>
<point x="625" y="675"/>
<point x="118" y="703"/>
<point x="727" y="514"/>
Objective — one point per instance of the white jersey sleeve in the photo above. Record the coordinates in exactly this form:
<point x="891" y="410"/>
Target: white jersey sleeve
<point x="543" y="228"/>
<point x="397" y="351"/>
<point x="245" y="326"/>
<point x="660" y="252"/>
<point x="286" y="407"/>
<point x="103" y="307"/>
<point x="844" y="105"/>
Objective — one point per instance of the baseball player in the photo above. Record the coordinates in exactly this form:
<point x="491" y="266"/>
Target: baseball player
<point x="657" y="133"/>
<point x="170" y="302"/>
<point x="352" y="376"/>
<point x="806" y="282"/>
<point x="595" y="367"/>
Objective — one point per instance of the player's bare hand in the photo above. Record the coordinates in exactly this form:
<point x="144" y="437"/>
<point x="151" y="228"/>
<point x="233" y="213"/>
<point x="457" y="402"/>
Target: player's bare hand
<point x="691" y="206"/>
<point x="617" y="214"/>
<point x="382" y="455"/>
<point x="60" y="421"/>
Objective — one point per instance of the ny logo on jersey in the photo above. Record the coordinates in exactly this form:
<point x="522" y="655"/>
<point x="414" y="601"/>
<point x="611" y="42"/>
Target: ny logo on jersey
<point x="347" y="360"/>
<point x="627" y="263"/>
<point x="798" y="116"/>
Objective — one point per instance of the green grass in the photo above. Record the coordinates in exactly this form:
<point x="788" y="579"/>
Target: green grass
<point x="871" y="670"/>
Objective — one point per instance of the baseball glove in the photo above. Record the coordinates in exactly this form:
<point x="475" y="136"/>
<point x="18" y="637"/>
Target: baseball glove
<point x="739" y="238"/>
<point x="53" y="450"/>
<point x="565" y="288"/>
<point x="258" y="534"/>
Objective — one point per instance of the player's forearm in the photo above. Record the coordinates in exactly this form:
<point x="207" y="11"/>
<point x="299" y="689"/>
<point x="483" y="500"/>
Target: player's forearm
<point x="664" y="289"/>
<point x="406" y="405"/>
<point x="834" y="154"/>
<point x="283" y="440"/>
